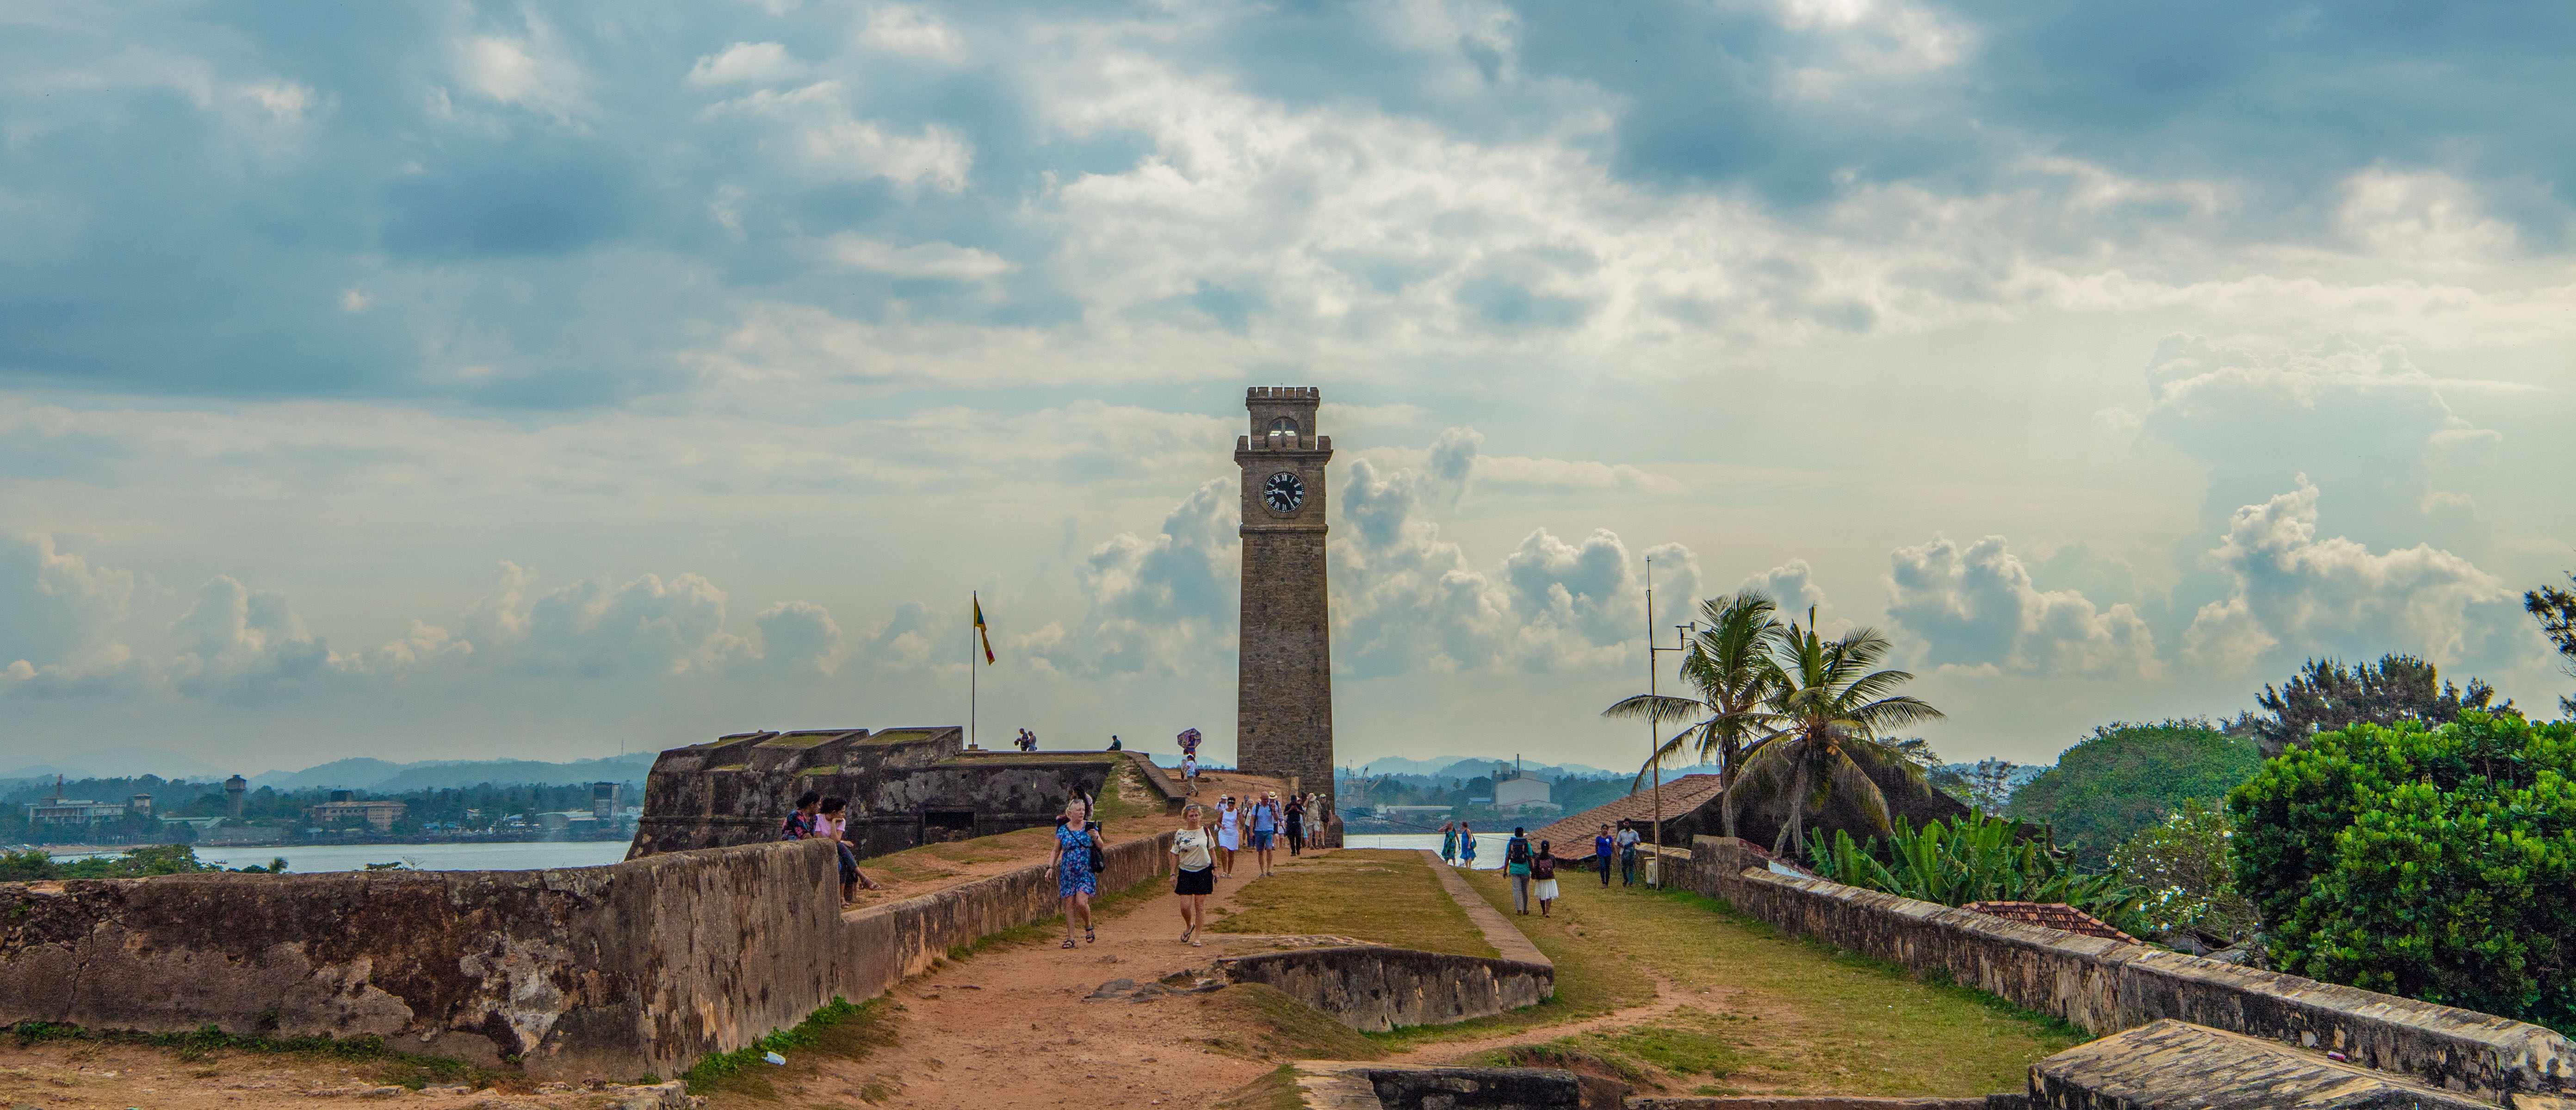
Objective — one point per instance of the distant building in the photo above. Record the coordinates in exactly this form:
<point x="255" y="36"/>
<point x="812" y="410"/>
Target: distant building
<point x="1516" y="791"/>
<point x="72" y="811"/>
<point x="234" y="788"/>
<point x="604" y="797"/>
<point x="345" y="808"/>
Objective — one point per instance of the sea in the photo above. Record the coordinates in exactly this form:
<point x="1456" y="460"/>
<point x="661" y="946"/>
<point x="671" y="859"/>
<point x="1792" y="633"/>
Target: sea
<point x="1489" y="846"/>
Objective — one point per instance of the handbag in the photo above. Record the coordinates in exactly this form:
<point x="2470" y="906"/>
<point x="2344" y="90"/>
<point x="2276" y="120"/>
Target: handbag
<point x="1099" y="859"/>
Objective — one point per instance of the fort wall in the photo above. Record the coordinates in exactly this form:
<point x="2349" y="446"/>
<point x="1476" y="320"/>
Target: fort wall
<point x="2106" y="986"/>
<point x="598" y="972"/>
<point x="1375" y="989"/>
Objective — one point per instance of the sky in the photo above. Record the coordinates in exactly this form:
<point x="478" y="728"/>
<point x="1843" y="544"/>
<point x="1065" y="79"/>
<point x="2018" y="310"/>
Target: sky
<point x="472" y="380"/>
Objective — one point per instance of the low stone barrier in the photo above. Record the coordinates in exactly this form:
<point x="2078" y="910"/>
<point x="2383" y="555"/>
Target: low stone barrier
<point x="2106" y="986"/>
<point x="2014" y="1101"/>
<point x="2179" y="1065"/>
<point x="1375" y="989"/>
<point x="596" y="972"/>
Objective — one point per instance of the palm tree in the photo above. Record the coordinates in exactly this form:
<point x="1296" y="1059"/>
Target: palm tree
<point x="1726" y="662"/>
<point x="1826" y="708"/>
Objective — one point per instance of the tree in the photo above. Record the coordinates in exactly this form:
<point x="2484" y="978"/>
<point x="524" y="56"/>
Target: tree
<point x="2185" y="868"/>
<point x="2432" y="863"/>
<point x="2126" y="778"/>
<point x="2325" y="696"/>
<point x="1990" y="784"/>
<point x="2555" y="609"/>
<point x="1726" y="663"/>
<point x="1825" y="708"/>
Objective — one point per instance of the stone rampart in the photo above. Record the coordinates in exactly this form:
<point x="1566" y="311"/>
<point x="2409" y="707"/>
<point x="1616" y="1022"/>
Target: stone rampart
<point x="1375" y="989"/>
<point x="2106" y="986"/>
<point x="606" y="972"/>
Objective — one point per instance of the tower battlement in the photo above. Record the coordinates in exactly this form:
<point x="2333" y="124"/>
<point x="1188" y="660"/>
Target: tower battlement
<point x="1282" y="392"/>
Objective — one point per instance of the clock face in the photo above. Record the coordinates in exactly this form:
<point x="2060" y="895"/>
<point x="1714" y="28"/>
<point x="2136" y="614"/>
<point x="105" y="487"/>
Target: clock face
<point x="1283" y="492"/>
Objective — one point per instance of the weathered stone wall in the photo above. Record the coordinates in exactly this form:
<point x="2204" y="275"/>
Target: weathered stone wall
<point x="906" y="787"/>
<point x="1376" y="989"/>
<point x="2106" y="986"/>
<point x="608" y="972"/>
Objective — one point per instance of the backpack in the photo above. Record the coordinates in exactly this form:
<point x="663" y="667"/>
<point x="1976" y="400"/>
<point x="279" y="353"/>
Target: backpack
<point x="1517" y="852"/>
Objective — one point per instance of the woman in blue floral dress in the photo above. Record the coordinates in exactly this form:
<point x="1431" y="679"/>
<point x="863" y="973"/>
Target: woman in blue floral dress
<point x="1074" y="882"/>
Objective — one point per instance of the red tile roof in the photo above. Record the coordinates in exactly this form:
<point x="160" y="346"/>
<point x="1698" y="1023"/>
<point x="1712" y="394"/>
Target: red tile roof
<point x="2054" y="915"/>
<point x="1571" y="838"/>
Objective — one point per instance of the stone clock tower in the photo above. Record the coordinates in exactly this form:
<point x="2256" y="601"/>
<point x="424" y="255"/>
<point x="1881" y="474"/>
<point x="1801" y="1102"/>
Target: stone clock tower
<point x="1283" y="720"/>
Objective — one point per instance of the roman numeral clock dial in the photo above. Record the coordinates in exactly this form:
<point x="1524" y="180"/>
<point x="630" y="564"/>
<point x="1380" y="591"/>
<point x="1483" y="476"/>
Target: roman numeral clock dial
<point x="1283" y="492"/>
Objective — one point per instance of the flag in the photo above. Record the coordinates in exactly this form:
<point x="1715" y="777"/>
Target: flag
<point x="981" y="634"/>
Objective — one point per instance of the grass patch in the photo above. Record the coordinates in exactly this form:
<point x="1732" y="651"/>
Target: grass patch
<point x="1773" y="1014"/>
<point x="1386" y="896"/>
<point x="1275" y="1090"/>
<point x="839" y="1029"/>
<point x="387" y="1066"/>
<point x="1678" y="1048"/>
<point x="1591" y="978"/>
<point x="1277" y="1027"/>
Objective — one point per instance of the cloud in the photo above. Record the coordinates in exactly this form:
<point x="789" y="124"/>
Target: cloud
<point x="2297" y="595"/>
<point x="920" y="260"/>
<point x="831" y="144"/>
<point x="906" y="30"/>
<point x="1404" y="599"/>
<point x="1159" y="604"/>
<point x="1975" y="607"/>
<point x="55" y="607"/>
<point x="746" y="63"/>
<point x="2363" y="419"/>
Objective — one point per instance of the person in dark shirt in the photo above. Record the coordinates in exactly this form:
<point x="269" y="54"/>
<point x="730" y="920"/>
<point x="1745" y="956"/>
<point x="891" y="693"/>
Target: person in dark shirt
<point x="1604" y="847"/>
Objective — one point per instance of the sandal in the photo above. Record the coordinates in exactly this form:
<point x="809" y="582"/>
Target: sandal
<point x="1068" y="942"/>
<point x="1088" y="937"/>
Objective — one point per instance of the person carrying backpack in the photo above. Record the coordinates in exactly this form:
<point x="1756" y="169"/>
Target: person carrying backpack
<point x="1516" y="863"/>
<point x="1543" y="879"/>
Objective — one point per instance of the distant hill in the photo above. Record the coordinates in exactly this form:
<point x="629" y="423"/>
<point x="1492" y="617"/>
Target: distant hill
<point x="382" y="777"/>
<point x="1465" y="767"/>
<point x="113" y="763"/>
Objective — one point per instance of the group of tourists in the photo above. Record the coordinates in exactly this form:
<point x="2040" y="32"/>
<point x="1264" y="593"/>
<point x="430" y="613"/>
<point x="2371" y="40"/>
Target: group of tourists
<point x="1622" y="844"/>
<point x="1533" y="873"/>
<point x="819" y="818"/>
<point x="1457" y="842"/>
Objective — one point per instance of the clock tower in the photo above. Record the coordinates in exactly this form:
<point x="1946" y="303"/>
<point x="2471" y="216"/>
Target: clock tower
<point x="1283" y="720"/>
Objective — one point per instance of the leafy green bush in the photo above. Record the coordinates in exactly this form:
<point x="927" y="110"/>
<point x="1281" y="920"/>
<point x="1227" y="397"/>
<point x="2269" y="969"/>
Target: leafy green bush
<point x="2430" y="864"/>
<point x="2185" y="869"/>
<point x="1976" y="858"/>
<point x="2126" y="777"/>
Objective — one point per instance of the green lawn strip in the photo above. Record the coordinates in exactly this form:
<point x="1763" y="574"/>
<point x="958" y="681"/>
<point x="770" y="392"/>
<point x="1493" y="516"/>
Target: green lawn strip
<point x="1591" y="980"/>
<point x="1275" y="1090"/>
<point x="389" y="1067"/>
<point x="1389" y="897"/>
<point x="1266" y="1024"/>
<point x="1783" y="1015"/>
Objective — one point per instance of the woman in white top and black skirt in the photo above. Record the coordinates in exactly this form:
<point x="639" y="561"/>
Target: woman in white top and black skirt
<point x="1197" y="868"/>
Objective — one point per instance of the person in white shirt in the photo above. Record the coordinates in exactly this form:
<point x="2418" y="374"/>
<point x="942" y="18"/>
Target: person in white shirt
<point x="1229" y="830"/>
<point x="1190" y="771"/>
<point x="1197" y="871"/>
<point x="1628" y="839"/>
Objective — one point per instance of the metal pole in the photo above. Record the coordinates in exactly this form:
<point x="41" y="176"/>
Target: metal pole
<point x="973" y="644"/>
<point x="1654" y="729"/>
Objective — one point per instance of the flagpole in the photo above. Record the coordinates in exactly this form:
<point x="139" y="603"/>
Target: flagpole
<point x="975" y="602"/>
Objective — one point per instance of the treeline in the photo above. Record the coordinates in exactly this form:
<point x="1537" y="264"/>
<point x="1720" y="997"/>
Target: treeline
<point x="479" y="807"/>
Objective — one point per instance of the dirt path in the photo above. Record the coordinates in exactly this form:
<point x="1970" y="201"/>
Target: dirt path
<point x="1010" y="1027"/>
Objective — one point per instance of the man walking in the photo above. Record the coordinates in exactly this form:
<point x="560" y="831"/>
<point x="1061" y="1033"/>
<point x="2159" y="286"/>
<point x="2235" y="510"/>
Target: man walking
<point x="1265" y="826"/>
<point x="1628" y="839"/>
<point x="1603" y="847"/>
